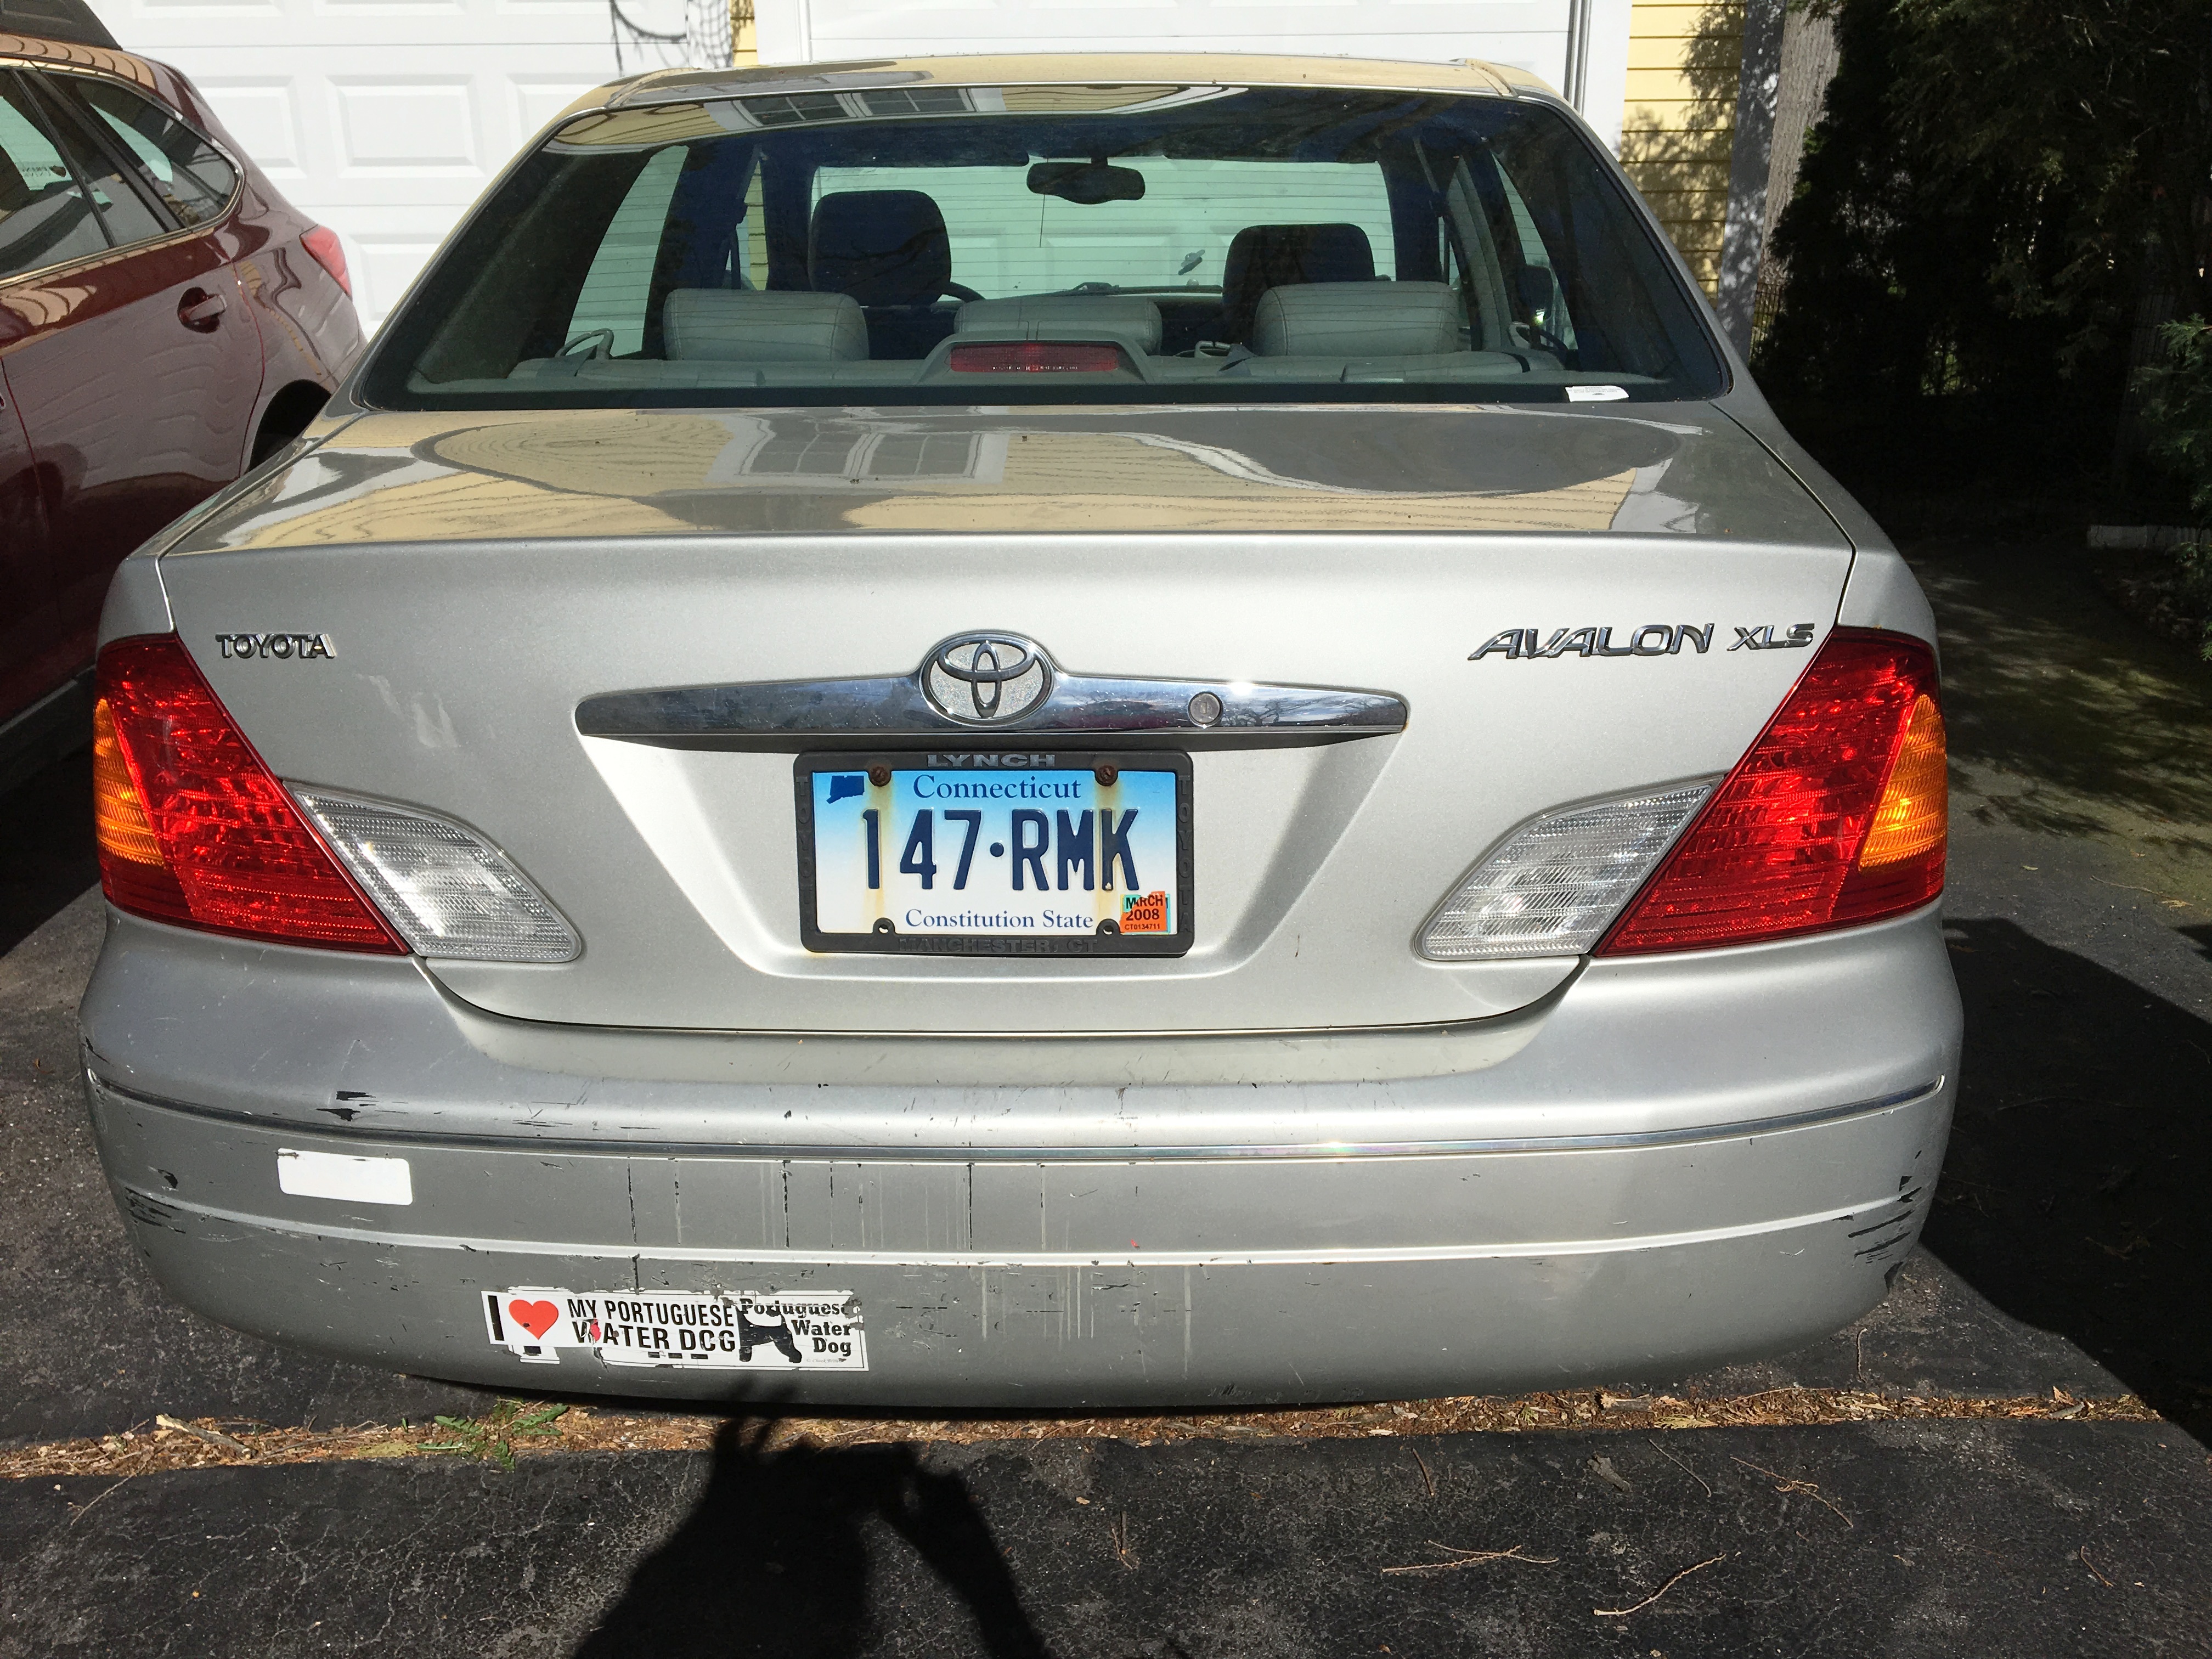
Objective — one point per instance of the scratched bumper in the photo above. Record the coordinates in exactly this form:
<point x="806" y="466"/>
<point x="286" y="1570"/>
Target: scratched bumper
<point x="1671" y="1166"/>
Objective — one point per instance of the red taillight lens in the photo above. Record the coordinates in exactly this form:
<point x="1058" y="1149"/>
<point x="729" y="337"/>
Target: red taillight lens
<point x="329" y="253"/>
<point x="1035" y="357"/>
<point x="192" y="827"/>
<point x="1837" y="816"/>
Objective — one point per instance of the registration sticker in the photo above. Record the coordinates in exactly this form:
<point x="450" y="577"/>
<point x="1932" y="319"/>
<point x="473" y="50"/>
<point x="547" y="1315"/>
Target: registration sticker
<point x="687" y="1329"/>
<point x="1144" y="913"/>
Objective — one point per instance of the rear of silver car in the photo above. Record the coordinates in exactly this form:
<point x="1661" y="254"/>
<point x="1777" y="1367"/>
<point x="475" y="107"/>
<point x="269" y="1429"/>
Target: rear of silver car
<point x="570" y="928"/>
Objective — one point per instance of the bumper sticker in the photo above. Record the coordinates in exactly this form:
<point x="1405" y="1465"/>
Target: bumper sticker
<point x="687" y="1329"/>
<point x="351" y="1180"/>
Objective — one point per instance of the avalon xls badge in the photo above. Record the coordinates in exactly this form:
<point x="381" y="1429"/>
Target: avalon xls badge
<point x="1652" y="640"/>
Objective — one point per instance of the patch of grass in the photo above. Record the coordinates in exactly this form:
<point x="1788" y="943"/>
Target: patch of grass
<point x="582" y="1429"/>
<point x="491" y="1438"/>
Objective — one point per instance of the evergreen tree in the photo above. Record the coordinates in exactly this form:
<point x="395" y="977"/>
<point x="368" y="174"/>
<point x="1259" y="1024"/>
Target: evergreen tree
<point x="1994" y="191"/>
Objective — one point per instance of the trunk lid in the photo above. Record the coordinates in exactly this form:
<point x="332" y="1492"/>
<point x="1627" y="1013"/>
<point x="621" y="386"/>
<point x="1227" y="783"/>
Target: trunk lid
<point x="477" y="580"/>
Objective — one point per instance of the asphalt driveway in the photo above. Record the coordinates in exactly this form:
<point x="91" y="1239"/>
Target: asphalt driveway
<point x="1994" y="1498"/>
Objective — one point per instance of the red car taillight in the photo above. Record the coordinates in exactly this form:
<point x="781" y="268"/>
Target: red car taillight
<point x="329" y="253"/>
<point x="1837" y="816"/>
<point x="1033" y="357"/>
<point x="193" y="829"/>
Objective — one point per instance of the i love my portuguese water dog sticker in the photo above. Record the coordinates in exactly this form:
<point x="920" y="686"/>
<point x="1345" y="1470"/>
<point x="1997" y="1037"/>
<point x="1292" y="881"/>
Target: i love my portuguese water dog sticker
<point x="745" y="1331"/>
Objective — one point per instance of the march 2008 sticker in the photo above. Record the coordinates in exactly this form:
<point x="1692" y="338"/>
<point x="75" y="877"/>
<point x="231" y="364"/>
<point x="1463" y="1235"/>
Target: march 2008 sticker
<point x="687" y="1329"/>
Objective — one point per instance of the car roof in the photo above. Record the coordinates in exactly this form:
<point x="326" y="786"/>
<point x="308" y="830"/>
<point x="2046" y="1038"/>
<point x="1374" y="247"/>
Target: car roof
<point x="1065" y="68"/>
<point x="29" y="50"/>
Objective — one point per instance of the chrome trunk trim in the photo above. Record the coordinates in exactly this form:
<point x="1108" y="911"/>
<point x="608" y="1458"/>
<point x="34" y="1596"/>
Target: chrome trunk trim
<point x="807" y="712"/>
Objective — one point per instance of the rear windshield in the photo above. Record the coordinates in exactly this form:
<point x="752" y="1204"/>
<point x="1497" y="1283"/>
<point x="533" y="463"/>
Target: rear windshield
<point x="1051" y="243"/>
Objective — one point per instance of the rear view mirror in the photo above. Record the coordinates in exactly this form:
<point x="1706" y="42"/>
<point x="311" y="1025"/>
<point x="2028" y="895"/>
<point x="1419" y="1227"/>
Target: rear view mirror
<point x="1086" y="183"/>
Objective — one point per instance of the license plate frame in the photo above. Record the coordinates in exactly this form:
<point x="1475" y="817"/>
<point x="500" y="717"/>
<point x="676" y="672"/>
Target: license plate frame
<point x="1174" y="943"/>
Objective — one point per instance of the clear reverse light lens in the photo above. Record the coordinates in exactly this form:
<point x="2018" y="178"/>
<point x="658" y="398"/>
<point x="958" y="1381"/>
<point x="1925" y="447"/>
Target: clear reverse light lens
<point x="448" y="892"/>
<point x="1551" y="887"/>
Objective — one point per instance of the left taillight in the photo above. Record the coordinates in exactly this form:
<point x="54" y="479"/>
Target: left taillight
<point x="193" y="827"/>
<point x="329" y="253"/>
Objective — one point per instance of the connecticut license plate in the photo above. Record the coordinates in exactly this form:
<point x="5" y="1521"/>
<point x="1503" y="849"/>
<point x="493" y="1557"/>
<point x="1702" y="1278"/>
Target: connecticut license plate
<point x="995" y="854"/>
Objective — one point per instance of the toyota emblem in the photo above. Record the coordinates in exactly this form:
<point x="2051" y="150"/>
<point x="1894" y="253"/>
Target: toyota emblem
<point x="986" y="679"/>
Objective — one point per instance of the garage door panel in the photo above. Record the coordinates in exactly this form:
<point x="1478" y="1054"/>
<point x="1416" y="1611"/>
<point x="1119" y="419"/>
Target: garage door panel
<point x="412" y="126"/>
<point x="367" y="114"/>
<point x="537" y="99"/>
<point x="387" y="264"/>
<point x="384" y="118"/>
<point x="263" y="114"/>
<point x="156" y="25"/>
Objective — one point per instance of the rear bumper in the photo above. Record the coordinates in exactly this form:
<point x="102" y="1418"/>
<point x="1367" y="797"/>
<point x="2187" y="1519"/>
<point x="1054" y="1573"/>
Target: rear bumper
<point x="1670" y="1163"/>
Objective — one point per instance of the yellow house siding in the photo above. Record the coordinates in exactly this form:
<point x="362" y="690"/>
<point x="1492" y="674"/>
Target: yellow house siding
<point x="1677" y="119"/>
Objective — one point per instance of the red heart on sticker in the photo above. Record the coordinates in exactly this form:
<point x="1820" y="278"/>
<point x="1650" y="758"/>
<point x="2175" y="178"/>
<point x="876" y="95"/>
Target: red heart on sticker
<point x="536" y="1317"/>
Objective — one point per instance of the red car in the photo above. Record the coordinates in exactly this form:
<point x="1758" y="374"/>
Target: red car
<point x="167" y="320"/>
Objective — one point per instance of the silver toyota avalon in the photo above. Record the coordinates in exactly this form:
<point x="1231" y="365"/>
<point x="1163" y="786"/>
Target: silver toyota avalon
<point x="1030" y="732"/>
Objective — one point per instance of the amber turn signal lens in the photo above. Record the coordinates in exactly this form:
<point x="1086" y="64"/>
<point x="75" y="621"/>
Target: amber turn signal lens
<point x="1916" y="805"/>
<point x="118" y="817"/>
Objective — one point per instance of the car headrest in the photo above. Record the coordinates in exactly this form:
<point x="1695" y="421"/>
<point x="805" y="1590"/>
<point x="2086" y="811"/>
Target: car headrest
<point x="748" y="325"/>
<point x="1277" y="256"/>
<point x="1358" y="319"/>
<point x="884" y="247"/>
<point x="1124" y="316"/>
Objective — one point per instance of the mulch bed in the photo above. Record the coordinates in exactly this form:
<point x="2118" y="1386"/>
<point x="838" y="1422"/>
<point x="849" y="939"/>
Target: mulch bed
<point x="523" y="1428"/>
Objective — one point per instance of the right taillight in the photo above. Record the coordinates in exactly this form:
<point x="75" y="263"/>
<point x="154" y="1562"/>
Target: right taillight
<point x="329" y="253"/>
<point x="1837" y="815"/>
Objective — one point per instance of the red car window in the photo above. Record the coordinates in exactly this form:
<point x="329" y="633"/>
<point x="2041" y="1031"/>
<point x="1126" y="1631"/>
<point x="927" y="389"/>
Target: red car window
<point x="128" y="216"/>
<point x="45" y="215"/>
<point x="179" y="165"/>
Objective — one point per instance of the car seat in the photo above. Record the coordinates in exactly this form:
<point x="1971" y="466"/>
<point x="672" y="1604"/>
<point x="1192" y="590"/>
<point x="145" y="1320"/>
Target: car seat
<point x="1284" y="255"/>
<point x="888" y="250"/>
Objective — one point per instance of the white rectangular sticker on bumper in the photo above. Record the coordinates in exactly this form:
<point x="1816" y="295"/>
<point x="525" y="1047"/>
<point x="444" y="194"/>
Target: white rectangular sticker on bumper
<point x="354" y="1180"/>
<point x="817" y="1331"/>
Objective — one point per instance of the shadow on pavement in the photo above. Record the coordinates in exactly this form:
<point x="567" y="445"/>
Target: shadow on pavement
<point x="774" y="1561"/>
<point x="45" y="841"/>
<point x="2072" y="1195"/>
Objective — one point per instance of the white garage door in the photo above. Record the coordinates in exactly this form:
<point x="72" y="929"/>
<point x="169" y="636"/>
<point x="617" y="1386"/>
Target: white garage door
<point x="385" y="118"/>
